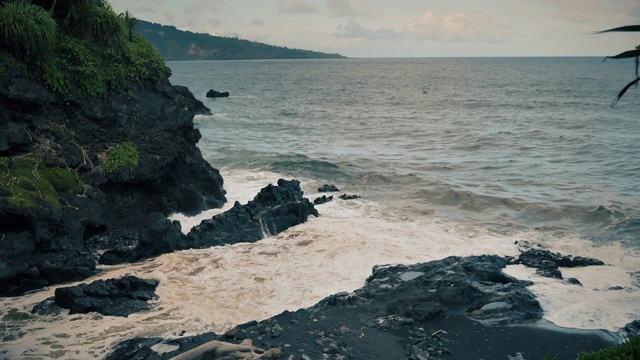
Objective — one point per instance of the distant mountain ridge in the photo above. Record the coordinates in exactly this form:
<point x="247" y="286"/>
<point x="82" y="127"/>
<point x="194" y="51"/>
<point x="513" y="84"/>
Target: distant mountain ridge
<point x="174" y="44"/>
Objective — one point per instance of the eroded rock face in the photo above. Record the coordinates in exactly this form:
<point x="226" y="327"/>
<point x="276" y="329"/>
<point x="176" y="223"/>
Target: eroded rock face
<point x="114" y="297"/>
<point x="273" y="210"/>
<point x="76" y="134"/>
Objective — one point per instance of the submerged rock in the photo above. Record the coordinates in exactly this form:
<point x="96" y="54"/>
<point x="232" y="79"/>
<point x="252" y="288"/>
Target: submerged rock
<point x="114" y="297"/>
<point x="349" y="197"/>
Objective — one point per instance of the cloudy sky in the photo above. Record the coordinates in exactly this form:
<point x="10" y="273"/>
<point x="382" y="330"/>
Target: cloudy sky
<point x="408" y="28"/>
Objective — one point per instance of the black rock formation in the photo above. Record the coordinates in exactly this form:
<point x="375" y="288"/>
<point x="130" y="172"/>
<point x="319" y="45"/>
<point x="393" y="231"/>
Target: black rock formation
<point x="349" y="197"/>
<point x="114" y="297"/>
<point x="548" y="263"/>
<point x="273" y="210"/>
<point x="217" y="94"/>
<point x="455" y="308"/>
<point x="49" y="221"/>
<point x="322" y="200"/>
<point x="328" y="188"/>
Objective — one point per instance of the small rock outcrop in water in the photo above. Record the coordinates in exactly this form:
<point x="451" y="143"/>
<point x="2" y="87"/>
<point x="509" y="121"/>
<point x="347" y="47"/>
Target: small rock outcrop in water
<point x="273" y="210"/>
<point x="114" y="297"/>
<point x="548" y="263"/>
<point x="217" y="94"/>
<point x="322" y="200"/>
<point x="328" y="188"/>
<point x="349" y="197"/>
<point x="419" y="311"/>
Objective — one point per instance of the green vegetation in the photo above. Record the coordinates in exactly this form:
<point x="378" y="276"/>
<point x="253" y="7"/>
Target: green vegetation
<point x="628" y="350"/>
<point x="25" y="181"/>
<point x="174" y="44"/>
<point x="122" y="156"/>
<point x="26" y="29"/>
<point x="626" y="55"/>
<point x="82" y="48"/>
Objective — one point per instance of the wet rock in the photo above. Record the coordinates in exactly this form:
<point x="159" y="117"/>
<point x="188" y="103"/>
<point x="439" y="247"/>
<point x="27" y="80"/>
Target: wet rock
<point x="328" y="188"/>
<point x="349" y="197"/>
<point x="273" y="210"/>
<point x="322" y="200"/>
<point x="114" y="297"/>
<point x="548" y="263"/>
<point x="217" y="94"/>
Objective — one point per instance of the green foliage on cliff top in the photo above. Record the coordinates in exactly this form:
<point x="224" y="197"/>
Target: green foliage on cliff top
<point x="25" y="181"/>
<point x="86" y="48"/>
<point x="26" y="29"/>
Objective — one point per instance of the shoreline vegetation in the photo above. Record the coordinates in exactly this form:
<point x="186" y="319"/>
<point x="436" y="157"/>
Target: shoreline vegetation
<point x="97" y="148"/>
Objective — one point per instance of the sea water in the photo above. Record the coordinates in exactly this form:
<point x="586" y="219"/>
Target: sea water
<point x="460" y="156"/>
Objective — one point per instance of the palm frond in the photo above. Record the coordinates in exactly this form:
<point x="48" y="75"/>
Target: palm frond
<point x="624" y="90"/>
<point x="621" y="29"/>
<point x="625" y="55"/>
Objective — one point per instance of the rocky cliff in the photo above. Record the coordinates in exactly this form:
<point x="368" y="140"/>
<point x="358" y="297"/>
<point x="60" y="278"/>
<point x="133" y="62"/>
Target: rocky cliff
<point x="81" y="174"/>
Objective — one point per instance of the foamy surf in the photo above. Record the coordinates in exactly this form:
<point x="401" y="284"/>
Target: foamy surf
<point x="217" y="288"/>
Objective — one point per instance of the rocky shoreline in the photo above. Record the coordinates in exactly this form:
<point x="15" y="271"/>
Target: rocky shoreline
<point x="454" y="308"/>
<point x="63" y="212"/>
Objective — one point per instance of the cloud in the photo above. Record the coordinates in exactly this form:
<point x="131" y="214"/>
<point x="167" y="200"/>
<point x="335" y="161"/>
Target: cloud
<point x="214" y="22"/>
<point x="297" y="7"/>
<point x="353" y="30"/>
<point x="257" y="22"/>
<point x="457" y="27"/>
<point x="347" y="8"/>
<point x="578" y="11"/>
<point x="202" y="6"/>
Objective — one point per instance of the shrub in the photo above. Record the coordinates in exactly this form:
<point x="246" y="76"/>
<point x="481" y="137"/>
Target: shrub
<point x="124" y="155"/>
<point x="628" y="350"/>
<point x="26" y="30"/>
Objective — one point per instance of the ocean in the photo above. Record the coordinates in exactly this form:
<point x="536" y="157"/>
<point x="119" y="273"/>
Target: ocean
<point x="451" y="156"/>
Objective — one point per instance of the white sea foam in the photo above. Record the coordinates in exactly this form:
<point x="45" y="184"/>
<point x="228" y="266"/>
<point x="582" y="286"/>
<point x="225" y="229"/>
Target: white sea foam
<point x="214" y="289"/>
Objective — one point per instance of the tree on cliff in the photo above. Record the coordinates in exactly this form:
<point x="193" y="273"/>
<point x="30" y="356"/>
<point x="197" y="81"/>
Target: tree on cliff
<point x="626" y="55"/>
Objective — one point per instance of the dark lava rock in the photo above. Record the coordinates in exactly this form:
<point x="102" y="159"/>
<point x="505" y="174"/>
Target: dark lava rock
<point x="547" y="263"/>
<point x="114" y="297"/>
<point x="217" y="94"/>
<point x="273" y="210"/>
<point x="322" y="200"/>
<point x="197" y="105"/>
<point x="631" y="329"/>
<point x="574" y="281"/>
<point x="50" y="238"/>
<point x="328" y="188"/>
<point x="349" y="197"/>
<point x="455" y="308"/>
